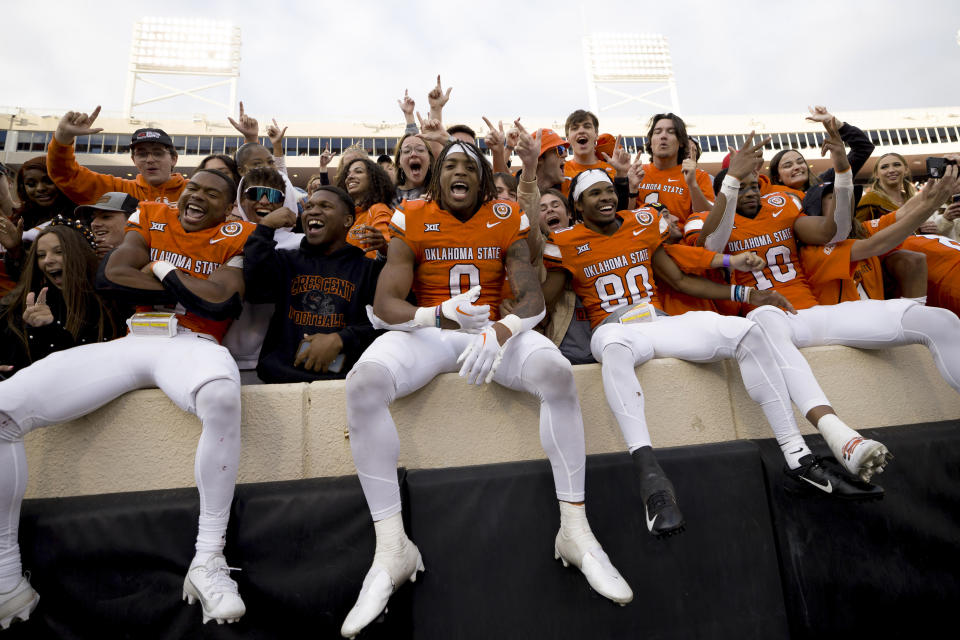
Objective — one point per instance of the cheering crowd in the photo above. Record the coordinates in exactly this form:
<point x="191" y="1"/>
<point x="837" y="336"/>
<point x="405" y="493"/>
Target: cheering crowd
<point x="444" y="258"/>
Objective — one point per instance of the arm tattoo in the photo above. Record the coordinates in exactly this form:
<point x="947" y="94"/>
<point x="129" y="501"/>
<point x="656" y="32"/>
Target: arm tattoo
<point x="523" y="281"/>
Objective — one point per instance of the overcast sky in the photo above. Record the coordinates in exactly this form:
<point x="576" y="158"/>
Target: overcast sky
<point x="319" y="60"/>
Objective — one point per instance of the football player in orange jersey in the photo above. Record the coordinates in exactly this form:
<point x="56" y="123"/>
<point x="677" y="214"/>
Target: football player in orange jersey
<point x="448" y="250"/>
<point x="772" y="225"/>
<point x="943" y="268"/>
<point x="672" y="178"/>
<point x="615" y="260"/>
<point x="177" y="352"/>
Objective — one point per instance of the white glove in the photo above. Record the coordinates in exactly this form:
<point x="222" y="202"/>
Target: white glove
<point x="470" y="317"/>
<point x="481" y="357"/>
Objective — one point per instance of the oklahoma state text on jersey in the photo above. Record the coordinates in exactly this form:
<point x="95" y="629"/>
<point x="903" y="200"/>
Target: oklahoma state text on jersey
<point x="453" y="256"/>
<point x="197" y="253"/>
<point x="669" y="188"/>
<point x="770" y="235"/>
<point x="610" y="271"/>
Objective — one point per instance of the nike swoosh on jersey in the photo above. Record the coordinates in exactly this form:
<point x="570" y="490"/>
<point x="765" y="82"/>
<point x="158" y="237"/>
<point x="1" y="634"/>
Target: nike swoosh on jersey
<point x="673" y="179"/>
<point x="779" y="211"/>
<point x="638" y="232"/>
<point x="826" y="488"/>
<point x="493" y="224"/>
<point x="217" y="240"/>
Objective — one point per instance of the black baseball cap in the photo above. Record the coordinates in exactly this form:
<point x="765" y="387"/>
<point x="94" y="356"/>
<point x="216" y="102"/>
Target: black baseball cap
<point x="151" y="135"/>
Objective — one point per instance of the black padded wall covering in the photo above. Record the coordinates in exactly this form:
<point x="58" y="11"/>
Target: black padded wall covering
<point x="754" y="562"/>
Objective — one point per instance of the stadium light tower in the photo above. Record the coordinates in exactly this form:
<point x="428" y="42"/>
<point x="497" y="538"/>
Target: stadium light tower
<point x="183" y="47"/>
<point x="620" y="62"/>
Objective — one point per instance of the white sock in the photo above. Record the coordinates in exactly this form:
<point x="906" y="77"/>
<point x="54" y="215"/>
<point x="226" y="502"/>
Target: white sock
<point x="794" y="447"/>
<point x="835" y="432"/>
<point x="211" y="538"/>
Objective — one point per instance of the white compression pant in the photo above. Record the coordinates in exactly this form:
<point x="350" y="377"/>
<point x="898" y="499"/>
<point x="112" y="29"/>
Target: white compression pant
<point x="196" y="373"/>
<point x="400" y="362"/>
<point x="865" y="324"/>
<point x="696" y="336"/>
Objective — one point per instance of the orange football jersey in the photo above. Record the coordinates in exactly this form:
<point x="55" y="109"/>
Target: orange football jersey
<point x="943" y="269"/>
<point x="669" y="188"/>
<point x="197" y="253"/>
<point x="609" y="272"/>
<point x="452" y="256"/>
<point x="770" y="235"/>
<point x="834" y="278"/>
<point x="377" y="216"/>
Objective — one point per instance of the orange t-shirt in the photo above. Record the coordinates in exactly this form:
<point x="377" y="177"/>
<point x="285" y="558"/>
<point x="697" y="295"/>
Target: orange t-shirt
<point x="571" y="168"/>
<point x="453" y="256"/>
<point x="197" y="253"/>
<point x="669" y="188"/>
<point x="377" y="216"/>
<point x="609" y="272"/>
<point x="943" y="269"/>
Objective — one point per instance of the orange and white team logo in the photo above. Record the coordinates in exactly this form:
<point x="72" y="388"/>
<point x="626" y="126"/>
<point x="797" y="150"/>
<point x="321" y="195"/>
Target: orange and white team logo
<point x="644" y="217"/>
<point x="501" y="210"/>
<point x="776" y="201"/>
<point x="231" y="229"/>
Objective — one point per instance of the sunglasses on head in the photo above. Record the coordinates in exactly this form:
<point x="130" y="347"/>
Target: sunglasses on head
<point x="274" y="196"/>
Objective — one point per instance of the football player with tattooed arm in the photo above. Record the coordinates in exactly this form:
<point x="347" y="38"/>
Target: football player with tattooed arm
<point x="453" y="252"/>
<point x="183" y="267"/>
<point x="773" y="225"/>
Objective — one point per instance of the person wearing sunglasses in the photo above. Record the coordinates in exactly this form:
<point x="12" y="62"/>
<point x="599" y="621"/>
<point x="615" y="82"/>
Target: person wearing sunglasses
<point x="263" y="193"/>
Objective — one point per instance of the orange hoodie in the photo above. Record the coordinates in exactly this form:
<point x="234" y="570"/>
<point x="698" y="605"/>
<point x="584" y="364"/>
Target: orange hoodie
<point x="84" y="186"/>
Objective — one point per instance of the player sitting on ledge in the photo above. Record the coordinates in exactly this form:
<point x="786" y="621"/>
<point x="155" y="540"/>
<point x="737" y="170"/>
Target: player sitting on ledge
<point x="186" y="257"/>
<point x="454" y="252"/>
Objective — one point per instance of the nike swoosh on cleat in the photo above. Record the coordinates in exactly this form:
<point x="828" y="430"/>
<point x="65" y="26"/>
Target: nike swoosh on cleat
<point x="826" y="488"/>
<point x="650" y="523"/>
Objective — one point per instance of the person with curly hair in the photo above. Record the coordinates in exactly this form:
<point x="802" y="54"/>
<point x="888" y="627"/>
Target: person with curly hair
<point x="372" y="190"/>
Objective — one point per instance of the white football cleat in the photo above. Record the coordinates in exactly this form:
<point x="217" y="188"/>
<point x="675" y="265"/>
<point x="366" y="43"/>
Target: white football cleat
<point x="385" y="576"/>
<point x="18" y="603"/>
<point x="585" y="553"/>
<point x="862" y="457"/>
<point x="218" y="594"/>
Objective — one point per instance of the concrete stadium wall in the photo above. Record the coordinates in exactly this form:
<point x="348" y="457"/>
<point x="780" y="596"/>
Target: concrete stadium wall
<point x="141" y="441"/>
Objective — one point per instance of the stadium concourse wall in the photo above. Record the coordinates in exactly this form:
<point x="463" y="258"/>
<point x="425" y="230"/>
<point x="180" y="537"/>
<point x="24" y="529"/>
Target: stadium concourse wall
<point x="141" y="441"/>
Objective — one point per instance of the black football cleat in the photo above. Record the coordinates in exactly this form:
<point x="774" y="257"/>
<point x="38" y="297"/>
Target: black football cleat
<point x="661" y="511"/>
<point x="819" y="476"/>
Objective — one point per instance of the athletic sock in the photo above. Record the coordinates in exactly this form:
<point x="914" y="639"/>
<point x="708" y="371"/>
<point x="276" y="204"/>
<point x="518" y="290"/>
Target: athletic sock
<point x="211" y="538"/>
<point x="794" y="447"/>
<point x="391" y="538"/>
